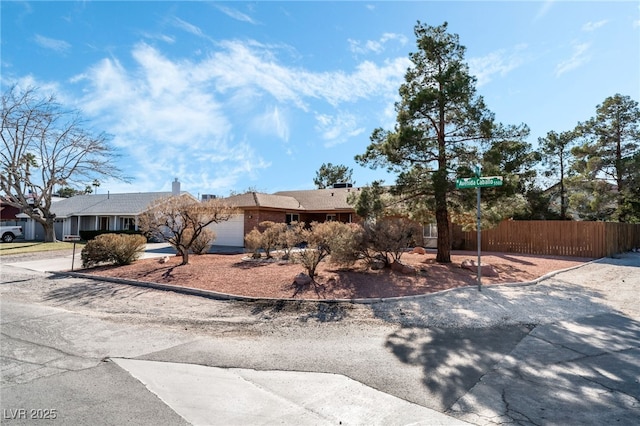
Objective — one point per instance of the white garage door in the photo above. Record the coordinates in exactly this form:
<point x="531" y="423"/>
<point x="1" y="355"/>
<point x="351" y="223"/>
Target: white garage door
<point x="229" y="233"/>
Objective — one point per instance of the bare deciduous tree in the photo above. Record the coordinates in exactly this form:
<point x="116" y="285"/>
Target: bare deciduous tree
<point x="44" y="145"/>
<point x="180" y="220"/>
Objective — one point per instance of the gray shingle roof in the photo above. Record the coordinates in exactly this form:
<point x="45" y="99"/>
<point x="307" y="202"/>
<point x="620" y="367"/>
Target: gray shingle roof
<point x="106" y="204"/>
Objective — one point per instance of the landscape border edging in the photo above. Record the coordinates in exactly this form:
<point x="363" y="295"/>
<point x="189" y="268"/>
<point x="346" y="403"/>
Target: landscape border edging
<point x="360" y="301"/>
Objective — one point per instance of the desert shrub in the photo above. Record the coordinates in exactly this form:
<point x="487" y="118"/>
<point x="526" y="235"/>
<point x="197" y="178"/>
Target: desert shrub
<point x="202" y="243"/>
<point x="253" y="242"/>
<point x="290" y="238"/>
<point x="179" y="219"/>
<point x="271" y="236"/>
<point x="388" y="238"/>
<point x="347" y="244"/>
<point x="310" y="258"/>
<point x="119" y="249"/>
<point x="321" y="239"/>
<point x="96" y="251"/>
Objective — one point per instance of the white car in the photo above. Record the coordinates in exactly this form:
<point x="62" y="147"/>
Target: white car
<point x="10" y="233"/>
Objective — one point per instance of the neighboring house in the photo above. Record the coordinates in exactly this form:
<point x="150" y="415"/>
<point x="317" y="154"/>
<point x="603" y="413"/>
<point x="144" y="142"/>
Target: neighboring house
<point x="90" y="212"/>
<point x="8" y="215"/>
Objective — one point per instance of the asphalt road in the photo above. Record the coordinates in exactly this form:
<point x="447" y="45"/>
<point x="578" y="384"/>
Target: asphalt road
<point x="564" y="351"/>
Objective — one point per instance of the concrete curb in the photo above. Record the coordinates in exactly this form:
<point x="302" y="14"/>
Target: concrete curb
<point x="234" y="297"/>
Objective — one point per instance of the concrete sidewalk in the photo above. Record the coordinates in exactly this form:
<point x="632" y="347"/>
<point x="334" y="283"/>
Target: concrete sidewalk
<point x="205" y="395"/>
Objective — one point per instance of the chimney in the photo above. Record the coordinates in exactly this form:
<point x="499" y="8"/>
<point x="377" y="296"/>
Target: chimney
<point x="175" y="187"/>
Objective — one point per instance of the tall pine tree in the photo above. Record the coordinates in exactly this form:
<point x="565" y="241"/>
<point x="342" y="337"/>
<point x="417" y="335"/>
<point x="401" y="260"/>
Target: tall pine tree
<point x="440" y="125"/>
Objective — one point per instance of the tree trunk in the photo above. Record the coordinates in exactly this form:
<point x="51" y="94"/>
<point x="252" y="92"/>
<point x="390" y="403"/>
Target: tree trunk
<point x="444" y="239"/>
<point x="185" y="255"/>
<point x="49" y="229"/>
<point x="49" y="233"/>
<point x="563" y="194"/>
<point x="442" y="218"/>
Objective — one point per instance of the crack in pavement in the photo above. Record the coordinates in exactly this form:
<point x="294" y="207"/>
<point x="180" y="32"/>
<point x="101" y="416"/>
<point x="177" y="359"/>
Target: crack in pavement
<point x="41" y="345"/>
<point x="508" y="410"/>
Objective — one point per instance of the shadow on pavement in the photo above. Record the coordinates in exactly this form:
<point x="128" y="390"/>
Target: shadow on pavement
<point x="574" y="372"/>
<point x="85" y="293"/>
<point x="305" y="311"/>
<point x="553" y="353"/>
<point x="453" y="360"/>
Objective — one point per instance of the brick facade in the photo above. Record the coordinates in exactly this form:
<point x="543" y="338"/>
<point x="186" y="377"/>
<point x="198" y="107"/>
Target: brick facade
<point x="253" y="217"/>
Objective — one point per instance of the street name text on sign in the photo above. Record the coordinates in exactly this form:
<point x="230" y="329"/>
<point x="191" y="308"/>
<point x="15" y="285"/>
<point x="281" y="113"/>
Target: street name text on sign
<point x="479" y="182"/>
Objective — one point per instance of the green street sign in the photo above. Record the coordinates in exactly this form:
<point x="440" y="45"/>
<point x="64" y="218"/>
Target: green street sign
<point x="479" y="182"/>
<point x="467" y="182"/>
<point x="487" y="181"/>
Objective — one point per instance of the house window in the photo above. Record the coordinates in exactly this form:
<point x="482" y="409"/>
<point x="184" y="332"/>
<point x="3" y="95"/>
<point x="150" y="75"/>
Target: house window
<point x="430" y="231"/>
<point x="331" y="218"/>
<point x="292" y="217"/>
<point x="128" y="224"/>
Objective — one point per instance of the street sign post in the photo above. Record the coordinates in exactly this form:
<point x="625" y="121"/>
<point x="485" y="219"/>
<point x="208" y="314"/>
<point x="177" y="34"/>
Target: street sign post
<point x="479" y="182"/>
<point x="74" y="238"/>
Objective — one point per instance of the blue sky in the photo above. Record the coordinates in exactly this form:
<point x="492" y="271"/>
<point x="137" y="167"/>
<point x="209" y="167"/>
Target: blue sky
<point x="228" y="96"/>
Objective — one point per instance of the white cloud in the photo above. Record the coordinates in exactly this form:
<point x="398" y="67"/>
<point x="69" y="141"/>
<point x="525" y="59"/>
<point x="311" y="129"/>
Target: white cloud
<point x="181" y="118"/>
<point x="499" y="62"/>
<point x="162" y="37"/>
<point x="59" y="46"/>
<point x="166" y="120"/>
<point x="375" y="46"/>
<point x="544" y="9"/>
<point x="337" y="129"/>
<point x="273" y="122"/>
<point x="580" y="57"/>
<point x="44" y="88"/>
<point x="186" y="26"/>
<point x="242" y="65"/>
<point x="235" y="14"/>
<point x="592" y="26"/>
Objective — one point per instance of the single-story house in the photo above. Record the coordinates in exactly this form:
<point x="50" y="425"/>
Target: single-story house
<point x="90" y="212"/>
<point x="319" y="205"/>
<point x="121" y="211"/>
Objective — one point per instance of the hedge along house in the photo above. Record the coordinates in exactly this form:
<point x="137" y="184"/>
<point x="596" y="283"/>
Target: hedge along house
<point x="92" y="212"/>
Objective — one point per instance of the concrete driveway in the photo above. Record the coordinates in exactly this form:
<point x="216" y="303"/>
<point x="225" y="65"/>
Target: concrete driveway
<point x="565" y="351"/>
<point x="66" y="260"/>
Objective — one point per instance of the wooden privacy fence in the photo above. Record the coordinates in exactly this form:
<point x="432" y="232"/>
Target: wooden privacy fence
<point x="559" y="238"/>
